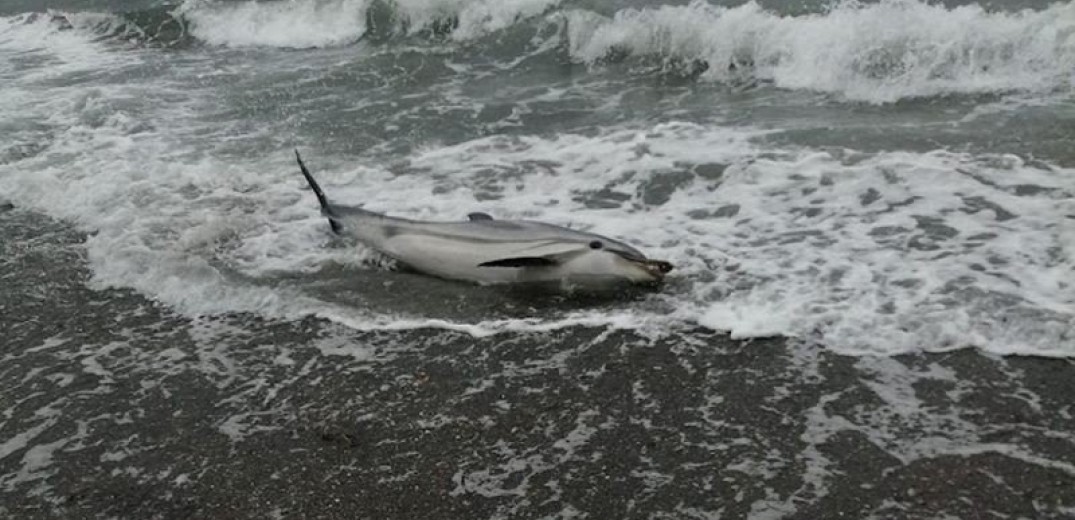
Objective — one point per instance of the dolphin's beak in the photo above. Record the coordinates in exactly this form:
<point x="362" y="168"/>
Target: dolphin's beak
<point x="656" y="268"/>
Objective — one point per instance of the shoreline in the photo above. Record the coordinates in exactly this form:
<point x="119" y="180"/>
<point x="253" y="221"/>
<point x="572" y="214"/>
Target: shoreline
<point x="117" y="407"/>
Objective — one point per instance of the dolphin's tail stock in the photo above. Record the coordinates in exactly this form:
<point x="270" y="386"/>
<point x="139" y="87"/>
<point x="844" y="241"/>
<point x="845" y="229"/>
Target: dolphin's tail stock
<point x="326" y="208"/>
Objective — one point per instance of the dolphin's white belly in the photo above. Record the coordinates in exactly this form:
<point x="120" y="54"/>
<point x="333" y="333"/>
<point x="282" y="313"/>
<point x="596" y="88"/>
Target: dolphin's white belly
<point x="449" y="258"/>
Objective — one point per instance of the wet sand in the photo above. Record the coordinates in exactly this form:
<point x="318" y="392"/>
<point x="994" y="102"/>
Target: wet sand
<point x="112" y="406"/>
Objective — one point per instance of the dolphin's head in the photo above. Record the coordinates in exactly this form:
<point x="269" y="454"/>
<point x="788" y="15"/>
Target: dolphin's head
<point x="612" y="257"/>
<point x="543" y="252"/>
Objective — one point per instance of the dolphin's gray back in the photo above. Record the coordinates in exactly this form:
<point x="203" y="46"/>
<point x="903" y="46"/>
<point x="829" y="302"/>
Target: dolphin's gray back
<point x="375" y="229"/>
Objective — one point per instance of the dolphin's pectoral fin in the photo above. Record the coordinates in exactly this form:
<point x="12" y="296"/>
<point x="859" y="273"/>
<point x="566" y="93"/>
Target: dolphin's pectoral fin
<point x="477" y="215"/>
<point x="521" y="261"/>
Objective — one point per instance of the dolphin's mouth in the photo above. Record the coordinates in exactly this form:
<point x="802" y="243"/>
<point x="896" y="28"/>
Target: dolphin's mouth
<point x="656" y="268"/>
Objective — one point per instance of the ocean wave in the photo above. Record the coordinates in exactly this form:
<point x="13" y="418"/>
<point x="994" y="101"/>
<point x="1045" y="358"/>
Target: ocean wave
<point x="881" y="52"/>
<point x="329" y="23"/>
<point x="282" y="24"/>
<point x="276" y="24"/>
<point x="871" y="52"/>
<point x="878" y="53"/>
<point x="67" y="31"/>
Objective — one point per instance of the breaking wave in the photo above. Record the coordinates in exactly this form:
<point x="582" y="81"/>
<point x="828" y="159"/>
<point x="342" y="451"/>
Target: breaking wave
<point x="878" y="53"/>
<point x="872" y="52"/>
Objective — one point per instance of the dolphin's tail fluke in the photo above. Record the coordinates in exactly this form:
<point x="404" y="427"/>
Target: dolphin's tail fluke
<point x="326" y="208"/>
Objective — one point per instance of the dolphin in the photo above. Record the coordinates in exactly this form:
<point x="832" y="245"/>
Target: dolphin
<point x="489" y="251"/>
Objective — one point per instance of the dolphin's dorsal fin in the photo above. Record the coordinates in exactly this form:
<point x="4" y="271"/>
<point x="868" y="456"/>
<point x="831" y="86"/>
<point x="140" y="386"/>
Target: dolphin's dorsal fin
<point x="326" y="208"/>
<point x="521" y="261"/>
<point x="477" y="215"/>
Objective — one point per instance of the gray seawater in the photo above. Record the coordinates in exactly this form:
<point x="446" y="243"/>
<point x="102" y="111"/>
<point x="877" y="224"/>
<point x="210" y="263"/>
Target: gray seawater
<point x="871" y="208"/>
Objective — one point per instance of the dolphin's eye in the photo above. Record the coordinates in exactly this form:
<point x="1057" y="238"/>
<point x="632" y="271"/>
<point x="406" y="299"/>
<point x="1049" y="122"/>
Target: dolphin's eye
<point x="596" y="244"/>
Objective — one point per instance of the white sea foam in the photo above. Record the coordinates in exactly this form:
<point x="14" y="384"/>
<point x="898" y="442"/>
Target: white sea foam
<point x="475" y="17"/>
<point x="329" y="23"/>
<point x="886" y="253"/>
<point x="64" y="41"/>
<point x="876" y="52"/>
<point x="320" y="23"/>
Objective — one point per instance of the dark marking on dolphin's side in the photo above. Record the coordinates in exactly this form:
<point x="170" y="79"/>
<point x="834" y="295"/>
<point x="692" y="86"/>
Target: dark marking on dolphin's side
<point x="521" y="261"/>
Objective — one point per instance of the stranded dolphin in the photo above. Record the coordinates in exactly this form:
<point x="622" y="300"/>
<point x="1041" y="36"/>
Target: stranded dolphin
<point x="489" y="251"/>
